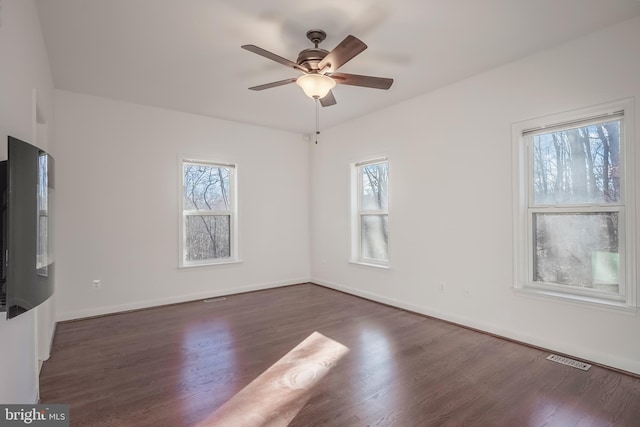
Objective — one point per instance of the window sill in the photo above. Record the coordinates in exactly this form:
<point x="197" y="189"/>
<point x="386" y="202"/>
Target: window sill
<point x="210" y="264"/>
<point x="581" y="300"/>
<point x="370" y="264"/>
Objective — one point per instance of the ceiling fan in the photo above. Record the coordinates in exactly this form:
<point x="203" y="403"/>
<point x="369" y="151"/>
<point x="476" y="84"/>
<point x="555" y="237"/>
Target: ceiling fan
<point x="319" y="67"/>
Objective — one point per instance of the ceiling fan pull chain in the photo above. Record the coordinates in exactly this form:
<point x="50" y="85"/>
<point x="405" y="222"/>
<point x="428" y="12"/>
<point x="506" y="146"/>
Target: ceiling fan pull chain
<point x="317" y="119"/>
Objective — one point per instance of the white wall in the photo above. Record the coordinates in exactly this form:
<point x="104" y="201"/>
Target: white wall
<point x="451" y="201"/>
<point x="24" y="66"/>
<point x="117" y="196"/>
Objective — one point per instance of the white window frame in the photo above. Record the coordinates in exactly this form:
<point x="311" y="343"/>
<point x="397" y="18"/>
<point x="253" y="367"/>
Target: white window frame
<point x="232" y="212"/>
<point x="523" y="209"/>
<point x="357" y="213"/>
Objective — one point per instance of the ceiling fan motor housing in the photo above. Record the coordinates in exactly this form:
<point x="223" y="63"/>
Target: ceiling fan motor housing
<point x="309" y="58"/>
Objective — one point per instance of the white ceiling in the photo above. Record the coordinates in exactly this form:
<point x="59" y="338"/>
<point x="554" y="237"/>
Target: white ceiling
<point x="185" y="54"/>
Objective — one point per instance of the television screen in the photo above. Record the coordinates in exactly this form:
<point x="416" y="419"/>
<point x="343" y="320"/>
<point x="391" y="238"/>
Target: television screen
<point x="27" y="261"/>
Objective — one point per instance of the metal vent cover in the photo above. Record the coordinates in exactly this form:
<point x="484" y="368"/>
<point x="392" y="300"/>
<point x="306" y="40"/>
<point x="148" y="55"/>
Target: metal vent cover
<point x="208" y="300"/>
<point x="569" y="362"/>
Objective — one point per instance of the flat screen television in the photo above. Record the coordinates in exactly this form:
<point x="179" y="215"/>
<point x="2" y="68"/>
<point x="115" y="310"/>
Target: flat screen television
<point x="27" y="265"/>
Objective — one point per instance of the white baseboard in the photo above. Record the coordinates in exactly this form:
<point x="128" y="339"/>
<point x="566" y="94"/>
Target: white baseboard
<point x="591" y="355"/>
<point x="99" y="311"/>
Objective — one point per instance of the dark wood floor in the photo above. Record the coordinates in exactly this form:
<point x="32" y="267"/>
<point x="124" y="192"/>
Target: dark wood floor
<point x="178" y="365"/>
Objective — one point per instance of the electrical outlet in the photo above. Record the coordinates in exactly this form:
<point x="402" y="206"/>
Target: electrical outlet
<point x="96" y="284"/>
<point x="467" y="292"/>
<point x="443" y="287"/>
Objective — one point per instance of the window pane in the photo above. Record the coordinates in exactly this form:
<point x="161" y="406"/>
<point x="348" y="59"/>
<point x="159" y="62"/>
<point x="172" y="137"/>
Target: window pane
<point x="206" y="187"/>
<point x="207" y="237"/>
<point x="578" y="249"/>
<point x="374" y="237"/>
<point x="579" y="165"/>
<point x="374" y="193"/>
<point x="42" y="255"/>
<point x="42" y="242"/>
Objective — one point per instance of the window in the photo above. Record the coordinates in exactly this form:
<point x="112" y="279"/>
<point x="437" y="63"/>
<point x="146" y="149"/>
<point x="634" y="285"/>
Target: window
<point x="208" y="217"/>
<point x="574" y="219"/>
<point x="370" y="219"/>
<point x="43" y="250"/>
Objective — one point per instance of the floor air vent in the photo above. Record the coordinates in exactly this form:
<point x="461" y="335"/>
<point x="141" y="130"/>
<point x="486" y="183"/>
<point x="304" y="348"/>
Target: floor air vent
<point x="569" y="362"/>
<point x="215" y="299"/>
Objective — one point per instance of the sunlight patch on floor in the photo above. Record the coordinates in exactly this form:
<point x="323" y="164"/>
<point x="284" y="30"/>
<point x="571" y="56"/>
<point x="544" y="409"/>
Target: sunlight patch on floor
<point x="280" y="392"/>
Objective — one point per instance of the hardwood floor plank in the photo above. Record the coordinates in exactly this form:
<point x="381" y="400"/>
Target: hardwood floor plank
<point x="177" y="365"/>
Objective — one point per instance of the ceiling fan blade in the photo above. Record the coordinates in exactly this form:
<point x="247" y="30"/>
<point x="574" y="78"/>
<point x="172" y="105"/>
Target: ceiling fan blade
<point x="272" y="56"/>
<point x="343" y="53"/>
<point x="273" y="84"/>
<point x="328" y="100"/>
<point x="364" y="81"/>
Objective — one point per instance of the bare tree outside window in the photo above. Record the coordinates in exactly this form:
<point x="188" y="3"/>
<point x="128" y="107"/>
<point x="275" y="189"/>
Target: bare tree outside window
<point x="43" y="242"/>
<point x="207" y="212"/>
<point x="577" y="170"/>
<point x="374" y="205"/>
<point x="578" y="166"/>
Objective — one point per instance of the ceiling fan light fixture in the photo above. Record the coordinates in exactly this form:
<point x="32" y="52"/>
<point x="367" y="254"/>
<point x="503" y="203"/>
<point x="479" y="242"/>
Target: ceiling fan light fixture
<point x="315" y="85"/>
<point x="319" y="68"/>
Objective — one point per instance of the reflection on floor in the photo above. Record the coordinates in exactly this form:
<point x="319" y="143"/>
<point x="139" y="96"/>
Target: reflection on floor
<point x="278" y="394"/>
